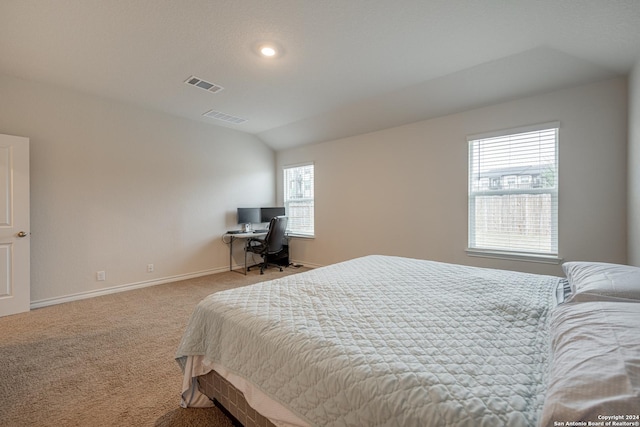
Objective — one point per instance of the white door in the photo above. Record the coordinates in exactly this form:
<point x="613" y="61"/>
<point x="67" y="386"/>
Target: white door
<point x="14" y="225"/>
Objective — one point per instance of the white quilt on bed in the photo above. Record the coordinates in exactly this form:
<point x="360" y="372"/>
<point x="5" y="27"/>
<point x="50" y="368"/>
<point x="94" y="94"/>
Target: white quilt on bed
<point x="387" y="341"/>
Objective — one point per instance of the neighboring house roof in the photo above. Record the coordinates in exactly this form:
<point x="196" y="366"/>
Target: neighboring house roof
<point x="515" y="170"/>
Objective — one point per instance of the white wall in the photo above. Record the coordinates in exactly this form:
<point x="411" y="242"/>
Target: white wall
<point x="634" y="166"/>
<point x="403" y="191"/>
<point x="115" y="187"/>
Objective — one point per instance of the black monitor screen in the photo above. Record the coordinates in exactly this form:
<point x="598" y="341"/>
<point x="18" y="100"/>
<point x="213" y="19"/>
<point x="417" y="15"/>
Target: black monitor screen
<point x="248" y="215"/>
<point x="268" y="213"/>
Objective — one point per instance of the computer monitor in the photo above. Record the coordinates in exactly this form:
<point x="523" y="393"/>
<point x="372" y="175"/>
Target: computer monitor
<point x="249" y="216"/>
<point x="267" y="213"/>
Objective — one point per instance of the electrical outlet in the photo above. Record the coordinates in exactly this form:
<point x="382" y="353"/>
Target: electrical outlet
<point x="101" y="275"/>
<point x="150" y="268"/>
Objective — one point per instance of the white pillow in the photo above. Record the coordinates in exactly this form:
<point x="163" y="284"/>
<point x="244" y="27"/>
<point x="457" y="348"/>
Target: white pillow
<point x="600" y="281"/>
<point x="595" y="365"/>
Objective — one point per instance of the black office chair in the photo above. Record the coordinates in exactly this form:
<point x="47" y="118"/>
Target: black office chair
<point x="272" y="243"/>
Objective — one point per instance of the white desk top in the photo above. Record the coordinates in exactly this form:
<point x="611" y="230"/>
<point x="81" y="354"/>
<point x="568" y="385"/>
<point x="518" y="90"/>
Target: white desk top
<point x="245" y="235"/>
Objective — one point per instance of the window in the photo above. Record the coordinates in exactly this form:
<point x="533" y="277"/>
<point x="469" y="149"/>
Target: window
<point x="299" y="199"/>
<point x="516" y="215"/>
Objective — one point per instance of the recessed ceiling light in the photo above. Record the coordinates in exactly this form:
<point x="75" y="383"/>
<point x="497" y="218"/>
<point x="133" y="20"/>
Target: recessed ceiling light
<point x="268" y="50"/>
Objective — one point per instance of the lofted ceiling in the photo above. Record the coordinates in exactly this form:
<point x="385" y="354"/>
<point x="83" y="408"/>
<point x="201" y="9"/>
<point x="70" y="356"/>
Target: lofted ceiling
<point x="344" y="67"/>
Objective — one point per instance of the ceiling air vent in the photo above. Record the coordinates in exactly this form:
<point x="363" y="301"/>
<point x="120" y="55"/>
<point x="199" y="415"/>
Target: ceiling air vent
<point x="203" y="84"/>
<point x="224" y="117"/>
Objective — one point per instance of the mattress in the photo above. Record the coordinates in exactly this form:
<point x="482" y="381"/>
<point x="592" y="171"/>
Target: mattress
<point x="383" y="340"/>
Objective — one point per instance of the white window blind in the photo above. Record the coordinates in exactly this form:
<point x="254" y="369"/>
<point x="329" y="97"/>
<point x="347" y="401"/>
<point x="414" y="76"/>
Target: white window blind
<point x="513" y="191"/>
<point x="299" y="199"/>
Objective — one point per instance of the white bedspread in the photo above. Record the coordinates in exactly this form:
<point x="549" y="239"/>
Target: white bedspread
<point x="387" y="341"/>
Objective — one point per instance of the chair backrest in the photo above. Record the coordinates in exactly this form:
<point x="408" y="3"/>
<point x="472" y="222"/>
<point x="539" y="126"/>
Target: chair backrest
<point x="275" y="236"/>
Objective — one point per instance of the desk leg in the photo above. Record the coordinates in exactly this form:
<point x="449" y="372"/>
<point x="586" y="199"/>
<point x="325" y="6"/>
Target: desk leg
<point x="231" y="240"/>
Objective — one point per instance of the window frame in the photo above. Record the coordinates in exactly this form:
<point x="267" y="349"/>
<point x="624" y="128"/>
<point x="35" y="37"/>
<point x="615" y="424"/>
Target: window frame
<point x="473" y="249"/>
<point x="293" y="232"/>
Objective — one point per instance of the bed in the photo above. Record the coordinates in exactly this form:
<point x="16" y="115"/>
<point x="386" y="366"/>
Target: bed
<point x="383" y="340"/>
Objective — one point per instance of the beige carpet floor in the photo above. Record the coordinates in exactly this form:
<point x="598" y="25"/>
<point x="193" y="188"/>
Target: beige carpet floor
<point x="106" y="361"/>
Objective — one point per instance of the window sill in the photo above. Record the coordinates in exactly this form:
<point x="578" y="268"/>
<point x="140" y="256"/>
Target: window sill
<point x="514" y="256"/>
<point x="301" y="236"/>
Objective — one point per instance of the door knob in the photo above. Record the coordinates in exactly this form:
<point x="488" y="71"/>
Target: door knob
<point x="23" y="234"/>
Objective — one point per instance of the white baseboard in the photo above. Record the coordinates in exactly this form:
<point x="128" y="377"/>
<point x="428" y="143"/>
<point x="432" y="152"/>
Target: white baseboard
<point x="128" y="287"/>
<point x="122" y="288"/>
<point x="305" y="264"/>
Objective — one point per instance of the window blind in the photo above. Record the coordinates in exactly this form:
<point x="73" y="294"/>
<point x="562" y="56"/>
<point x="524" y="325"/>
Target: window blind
<point x="513" y="191"/>
<point x="299" y="198"/>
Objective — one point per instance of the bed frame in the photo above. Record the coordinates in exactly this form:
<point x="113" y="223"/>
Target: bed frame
<point x="232" y="401"/>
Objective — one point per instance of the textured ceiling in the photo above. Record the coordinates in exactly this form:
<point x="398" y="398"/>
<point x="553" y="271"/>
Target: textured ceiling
<point x="347" y="66"/>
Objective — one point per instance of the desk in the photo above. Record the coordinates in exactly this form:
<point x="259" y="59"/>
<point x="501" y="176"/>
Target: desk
<point x="244" y="236"/>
